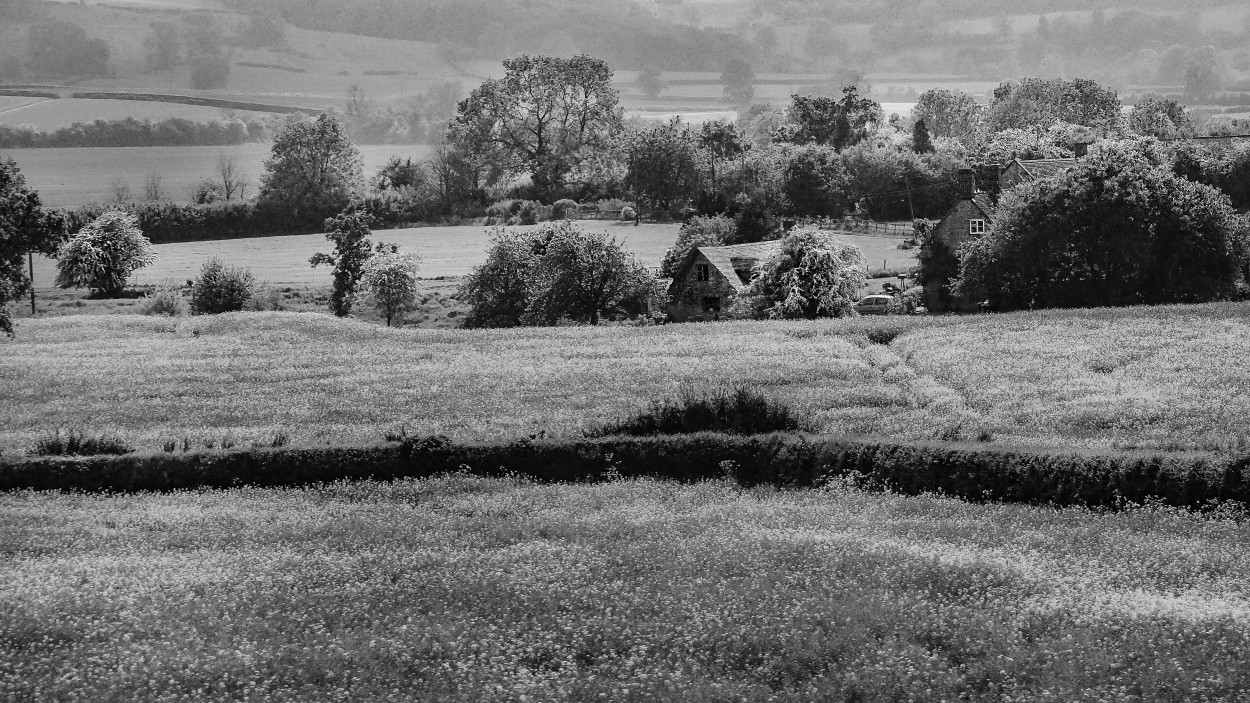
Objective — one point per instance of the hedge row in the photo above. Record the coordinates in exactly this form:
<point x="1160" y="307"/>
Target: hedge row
<point x="165" y="222"/>
<point x="23" y="93"/>
<point x="205" y="102"/>
<point x="969" y="472"/>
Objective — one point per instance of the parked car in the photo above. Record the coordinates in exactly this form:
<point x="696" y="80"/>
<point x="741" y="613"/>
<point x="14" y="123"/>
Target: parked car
<point x="874" y="304"/>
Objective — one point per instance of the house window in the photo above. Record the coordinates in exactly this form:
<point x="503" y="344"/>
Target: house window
<point x="976" y="227"/>
<point x="711" y="304"/>
<point x="704" y="271"/>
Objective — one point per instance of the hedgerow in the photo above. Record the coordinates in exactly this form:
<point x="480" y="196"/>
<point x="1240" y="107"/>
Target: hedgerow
<point x="971" y="472"/>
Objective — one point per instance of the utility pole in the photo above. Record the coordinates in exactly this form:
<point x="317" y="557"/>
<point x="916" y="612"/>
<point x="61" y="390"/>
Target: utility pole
<point x="30" y="261"/>
<point x="910" y="208"/>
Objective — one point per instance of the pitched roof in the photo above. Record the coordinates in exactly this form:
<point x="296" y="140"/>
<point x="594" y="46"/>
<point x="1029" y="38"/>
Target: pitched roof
<point x="1038" y="169"/>
<point x="984" y="204"/>
<point x="723" y="258"/>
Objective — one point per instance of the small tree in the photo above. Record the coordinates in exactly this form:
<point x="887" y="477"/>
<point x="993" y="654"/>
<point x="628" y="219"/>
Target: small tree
<point x="812" y="275"/>
<point x="25" y="227"/>
<point x="103" y="254"/>
<point x="920" y="141"/>
<point x="651" y="83"/>
<point x="389" y="281"/>
<point x="739" y="81"/>
<point x="349" y="230"/>
<point x="220" y="288"/>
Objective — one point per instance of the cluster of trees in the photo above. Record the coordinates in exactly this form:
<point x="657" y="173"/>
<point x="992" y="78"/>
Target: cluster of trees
<point x="555" y="272"/>
<point x="131" y="132"/>
<point x="59" y="49"/>
<point x="1119" y="228"/>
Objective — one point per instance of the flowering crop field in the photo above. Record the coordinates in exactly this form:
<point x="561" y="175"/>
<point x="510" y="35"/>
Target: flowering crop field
<point x="1152" y="378"/>
<point x="495" y="590"/>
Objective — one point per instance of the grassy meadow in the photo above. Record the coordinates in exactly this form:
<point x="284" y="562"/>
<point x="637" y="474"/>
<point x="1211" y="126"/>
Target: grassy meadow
<point x="77" y="176"/>
<point x="444" y="251"/>
<point x="1151" y="378"/>
<point x="495" y="590"/>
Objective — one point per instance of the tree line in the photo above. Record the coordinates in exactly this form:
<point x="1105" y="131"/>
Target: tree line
<point x="174" y="131"/>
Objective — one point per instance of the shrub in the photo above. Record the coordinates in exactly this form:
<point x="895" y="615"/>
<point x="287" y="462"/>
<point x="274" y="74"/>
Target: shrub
<point x="628" y="214"/>
<point x="103" y="254"/>
<point x="501" y="211"/>
<point x="165" y="301"/>
<point x="221" y="288"/>
<point x="529" y="212"/>
<point x="79" y="444"/>
<point x="564" y="209"/>
<point x="741" y="411"/>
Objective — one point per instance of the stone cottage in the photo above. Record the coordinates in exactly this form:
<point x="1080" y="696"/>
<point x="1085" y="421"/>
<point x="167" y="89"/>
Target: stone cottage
<point x="711" y="277"/>
<point x="1032" y="170"/>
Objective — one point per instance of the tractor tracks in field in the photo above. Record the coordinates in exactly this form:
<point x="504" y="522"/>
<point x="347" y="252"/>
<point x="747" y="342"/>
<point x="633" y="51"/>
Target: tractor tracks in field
<point x="954" y="417"/>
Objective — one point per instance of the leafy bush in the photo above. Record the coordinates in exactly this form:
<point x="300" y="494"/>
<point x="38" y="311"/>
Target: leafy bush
<point x="564" y="209"/>
<point x="102" y="255"/>
<point x="221" y="288"/>
<point x="79" y="444"/>
<point x="165" y="301"/>
<point x="741" y="411"/>
<point x="628" y="214"/>
<point x="529" y="212"/>
<point x="501" y="211"/>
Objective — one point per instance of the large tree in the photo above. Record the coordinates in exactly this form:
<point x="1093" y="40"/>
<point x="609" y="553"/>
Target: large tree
<point x="947" y="113"/>
<point x="739" y="81"/>
<point x="1116" y="229"/>
<point x="25" y="228"/>
<point x="839" y="123"/>
<point x="536" y="119"/>
<point x="312" y="169"/>
<point x="1039" y="102"/>
<point x="102" y="255"/>
<point x="663" y="164"/>
<point x="1162" y="118"/>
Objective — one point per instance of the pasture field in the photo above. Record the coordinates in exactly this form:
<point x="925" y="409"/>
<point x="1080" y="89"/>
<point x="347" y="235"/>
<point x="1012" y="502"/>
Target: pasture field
<point x="494" y="590"/>
<point x="50" y="115"/>
<point x="78" y="176"/>
<point x="444" y="251"/>
<point x="1150" y="378"/>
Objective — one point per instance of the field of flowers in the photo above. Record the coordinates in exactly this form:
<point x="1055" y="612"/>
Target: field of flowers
<point x="492" y="590"/>
<point x="1157" y="378"/>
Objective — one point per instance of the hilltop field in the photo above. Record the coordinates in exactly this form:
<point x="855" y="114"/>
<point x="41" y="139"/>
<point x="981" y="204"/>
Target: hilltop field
<point x="1156" y="378"/>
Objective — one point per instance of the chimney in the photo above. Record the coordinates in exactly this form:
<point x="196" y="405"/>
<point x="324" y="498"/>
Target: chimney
<point x="967" y="183"/>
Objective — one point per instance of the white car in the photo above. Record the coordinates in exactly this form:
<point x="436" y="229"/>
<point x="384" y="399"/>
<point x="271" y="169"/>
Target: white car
<point x="874" y="304"/>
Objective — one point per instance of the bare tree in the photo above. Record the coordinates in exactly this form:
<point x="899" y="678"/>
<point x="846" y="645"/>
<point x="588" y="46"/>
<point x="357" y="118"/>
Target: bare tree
<point x="121" y="191"/>
<point x="233" y="180"/>
<point x="152" y="191"/>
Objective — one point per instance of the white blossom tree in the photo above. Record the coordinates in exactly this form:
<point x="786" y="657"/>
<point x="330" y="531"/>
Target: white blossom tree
<point x="103" y="254"/>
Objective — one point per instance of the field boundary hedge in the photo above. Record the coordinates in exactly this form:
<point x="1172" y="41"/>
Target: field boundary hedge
<point x="971" y="472"/>
<point x="202" y="102"/>
<point x="23" y="93"/>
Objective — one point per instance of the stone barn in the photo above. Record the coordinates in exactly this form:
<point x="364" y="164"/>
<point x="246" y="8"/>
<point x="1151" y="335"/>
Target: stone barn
<point x="711" y="277"/>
